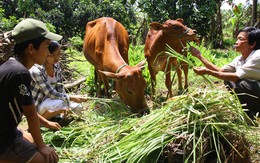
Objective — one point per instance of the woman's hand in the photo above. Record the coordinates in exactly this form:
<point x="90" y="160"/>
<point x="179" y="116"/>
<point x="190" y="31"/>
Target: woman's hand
<point x="52" y="125"/>
<point x="48" y="124"/>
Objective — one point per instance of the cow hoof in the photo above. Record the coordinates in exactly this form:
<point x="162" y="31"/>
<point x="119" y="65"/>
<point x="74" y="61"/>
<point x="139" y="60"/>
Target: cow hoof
<point x="180" y="92"/>
<point x="144" y="112"/>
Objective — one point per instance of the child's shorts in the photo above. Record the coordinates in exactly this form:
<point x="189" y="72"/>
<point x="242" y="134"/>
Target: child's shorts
<point x="53" y="105"/>
<point x="20" y="150"/>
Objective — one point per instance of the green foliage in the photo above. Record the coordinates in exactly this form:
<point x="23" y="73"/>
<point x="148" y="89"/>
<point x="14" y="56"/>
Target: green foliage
<point x="154" y="11"/>
<point x="6" y="24"/>
<point x="136" y="55"/>
<point x="71" y="16"/>
<point x="76" y="42"/>
<point x="229" y="42"/>
<point x="233" y="20"/>
<point x="51" y="27"/>
<point x="198" y="14"/>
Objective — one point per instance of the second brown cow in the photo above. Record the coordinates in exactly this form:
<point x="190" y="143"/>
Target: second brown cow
<point x="175" y="34"/>
<point x="106" y="45"/>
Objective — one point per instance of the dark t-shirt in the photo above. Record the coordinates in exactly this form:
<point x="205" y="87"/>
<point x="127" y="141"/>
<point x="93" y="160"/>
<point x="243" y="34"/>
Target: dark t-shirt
<point x="15" y="92"/>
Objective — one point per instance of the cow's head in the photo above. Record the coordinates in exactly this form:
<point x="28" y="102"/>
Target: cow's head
<point x="176" y="29"/>
<point x="130" y="86"/>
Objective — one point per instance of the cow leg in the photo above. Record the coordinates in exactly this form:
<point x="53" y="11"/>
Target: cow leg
<point x="185" y="70"/>
<point x="179" y="75"/>
<point x="98" y="82"/>
<point x="106" y="85"/>
<point x="153" y="78"/>
<point x="184" y="66"/>
<point x="168" y="81"/>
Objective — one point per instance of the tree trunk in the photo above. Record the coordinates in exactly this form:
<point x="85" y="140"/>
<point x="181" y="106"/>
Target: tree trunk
<point x="254" y="14"/>
<point x="219" y="34"/>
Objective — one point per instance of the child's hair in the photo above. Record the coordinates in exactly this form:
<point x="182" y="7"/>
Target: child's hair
<point x="53" y="45"/>
<point x="19" y="48"/>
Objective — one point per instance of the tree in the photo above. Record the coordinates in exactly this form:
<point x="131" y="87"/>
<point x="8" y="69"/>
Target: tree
<point x="69" y="17"/>
<point x="254" y="13"/>
<point x="202" y="15"/>
<point x="218" y="42"/>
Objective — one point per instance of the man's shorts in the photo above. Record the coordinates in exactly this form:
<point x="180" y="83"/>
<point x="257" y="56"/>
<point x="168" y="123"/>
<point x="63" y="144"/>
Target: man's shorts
<point x="20" y="150"/>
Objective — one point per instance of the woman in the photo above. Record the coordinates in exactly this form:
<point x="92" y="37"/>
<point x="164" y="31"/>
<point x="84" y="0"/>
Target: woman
<point x="47" y="88"/>
<point x="243" y="73"/>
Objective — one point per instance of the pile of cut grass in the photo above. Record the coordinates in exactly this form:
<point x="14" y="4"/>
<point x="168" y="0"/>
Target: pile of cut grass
<point x="199" y="123"/>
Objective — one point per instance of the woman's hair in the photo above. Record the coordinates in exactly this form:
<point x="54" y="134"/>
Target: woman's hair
<point x="253" y="36"/>
<point x="53" y="45"/>
<point x="19" y="48"/>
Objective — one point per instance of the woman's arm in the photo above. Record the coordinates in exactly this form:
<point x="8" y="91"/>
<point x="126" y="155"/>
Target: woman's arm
<point x="49" y="124"/>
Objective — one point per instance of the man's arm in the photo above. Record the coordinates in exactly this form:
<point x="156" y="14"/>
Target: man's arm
<point x="196" y="53"/>
<point x="34" y="127"/>
<point x="228" y="76"/>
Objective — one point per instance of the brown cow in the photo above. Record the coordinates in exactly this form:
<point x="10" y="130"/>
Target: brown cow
<point x="106" y="46"/>
<point x="175" y="34"/>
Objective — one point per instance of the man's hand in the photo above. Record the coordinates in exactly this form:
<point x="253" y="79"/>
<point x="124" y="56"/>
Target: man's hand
<point x="49" y="154"/>
<point x="201" y="70"/>
<point x="195" y="52"/>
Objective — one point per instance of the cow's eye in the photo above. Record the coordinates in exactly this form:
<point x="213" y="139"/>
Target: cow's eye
<point x="176" y="28"/>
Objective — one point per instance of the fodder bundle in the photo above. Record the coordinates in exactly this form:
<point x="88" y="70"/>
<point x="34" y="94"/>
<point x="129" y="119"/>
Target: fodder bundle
<point x="203" y="126"/>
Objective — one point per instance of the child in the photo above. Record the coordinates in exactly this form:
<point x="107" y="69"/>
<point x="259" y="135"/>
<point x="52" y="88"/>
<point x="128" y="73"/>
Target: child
<point x="47" y="88"/>
<point x="32" y="41"/>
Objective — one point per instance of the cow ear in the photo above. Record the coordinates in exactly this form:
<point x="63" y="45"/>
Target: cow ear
<point x="112" y="75"/>
<point x="90" y="25"/>
<point x="180" y="20"/>
<point x="156" y="26"/>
